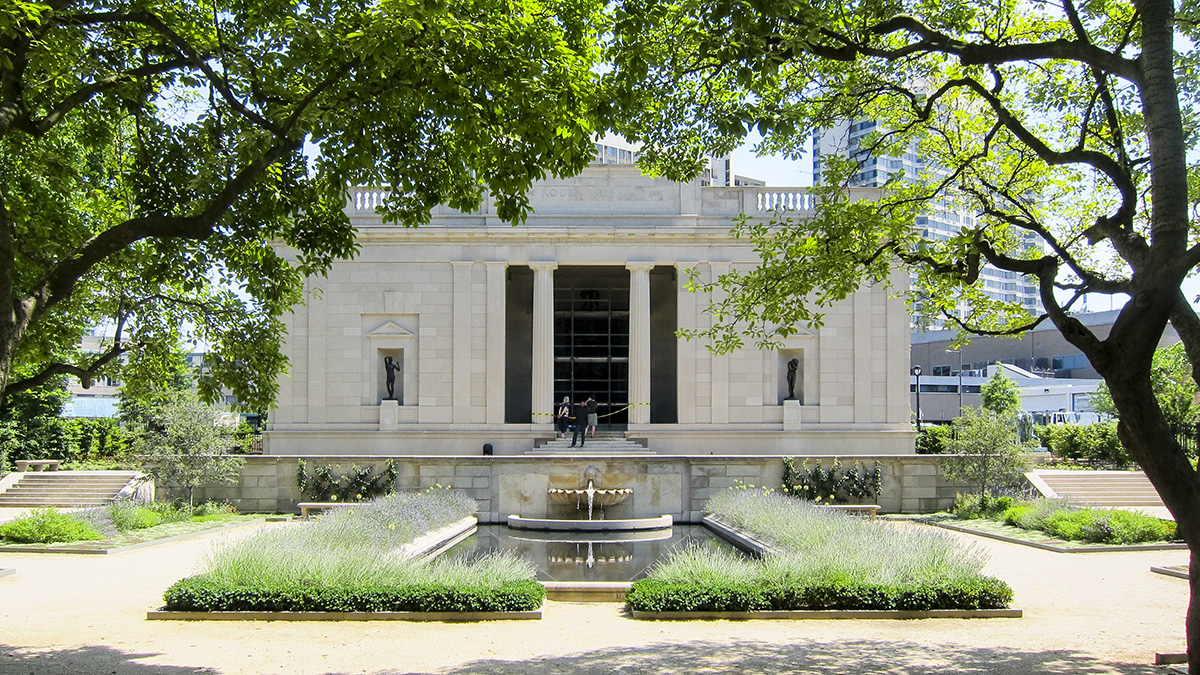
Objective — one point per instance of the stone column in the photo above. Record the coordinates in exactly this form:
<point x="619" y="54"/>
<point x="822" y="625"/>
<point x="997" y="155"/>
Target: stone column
<point x="542" y="389"/>
<point x="720" y="362"/>
<point x="460" y="342"/>
<point x="639" y="341"/>
<point x="688" y="351"/>
<point x="497" y="298"/>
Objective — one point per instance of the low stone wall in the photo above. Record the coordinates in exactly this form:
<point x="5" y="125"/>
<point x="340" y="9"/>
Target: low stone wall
<point x="517" y="485"/>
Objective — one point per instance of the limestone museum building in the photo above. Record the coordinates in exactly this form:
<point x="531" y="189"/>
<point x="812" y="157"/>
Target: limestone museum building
<point x="467" y="331"/>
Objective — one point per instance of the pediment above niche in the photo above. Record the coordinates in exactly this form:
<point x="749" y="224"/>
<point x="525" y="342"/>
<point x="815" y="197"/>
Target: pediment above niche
<point x="798" y="339"/>
<point x="390" y="330"/>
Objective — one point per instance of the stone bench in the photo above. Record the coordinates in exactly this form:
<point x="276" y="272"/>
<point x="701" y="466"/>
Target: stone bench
<point x="870" y="509"/>
<point x="37" y="465"/>
<point x="305" y="507"/>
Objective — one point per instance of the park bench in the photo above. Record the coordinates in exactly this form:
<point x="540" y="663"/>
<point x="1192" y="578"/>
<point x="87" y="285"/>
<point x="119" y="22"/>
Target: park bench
<point x="870" y="509"/>
<point x="305" y="507"/>
<point x="37" y="464"/>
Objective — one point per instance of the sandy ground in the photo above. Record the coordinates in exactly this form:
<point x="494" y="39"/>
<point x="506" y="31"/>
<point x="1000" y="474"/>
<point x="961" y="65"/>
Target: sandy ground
<point x="1084" y="613"/>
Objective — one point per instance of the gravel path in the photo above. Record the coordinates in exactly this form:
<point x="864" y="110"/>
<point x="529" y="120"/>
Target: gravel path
<point x="1084" y="613"/>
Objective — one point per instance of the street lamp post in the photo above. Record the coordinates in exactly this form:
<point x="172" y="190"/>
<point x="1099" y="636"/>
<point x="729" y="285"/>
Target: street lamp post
<point x="916" y="371"/>
<point x="960" y="362"/>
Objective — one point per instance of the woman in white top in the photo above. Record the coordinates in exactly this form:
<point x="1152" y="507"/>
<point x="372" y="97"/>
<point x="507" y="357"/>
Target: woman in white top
<point x="564" y="412"/>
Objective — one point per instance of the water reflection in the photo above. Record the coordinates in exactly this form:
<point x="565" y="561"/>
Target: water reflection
<point x="585" y="556"/>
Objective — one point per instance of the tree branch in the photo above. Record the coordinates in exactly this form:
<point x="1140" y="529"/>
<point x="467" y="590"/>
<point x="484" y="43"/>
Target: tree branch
<point x="59" y="282"/>
<point x="39" y="127"/>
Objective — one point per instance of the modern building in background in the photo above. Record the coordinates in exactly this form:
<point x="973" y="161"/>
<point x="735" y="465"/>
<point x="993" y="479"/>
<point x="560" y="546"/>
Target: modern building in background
<point x="847" y="139"/>
<point x="1043" y="351"/>
<point x="718" y="172"/>
<point x="943" y="396"/>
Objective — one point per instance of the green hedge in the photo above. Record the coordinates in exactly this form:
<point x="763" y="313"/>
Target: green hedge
<point x="650" y="595"/>
<point x="198" y="594"/>
<point x="1098" y="526"/>
<point x="48" y="526"/>
<point x="1092" y="442"/>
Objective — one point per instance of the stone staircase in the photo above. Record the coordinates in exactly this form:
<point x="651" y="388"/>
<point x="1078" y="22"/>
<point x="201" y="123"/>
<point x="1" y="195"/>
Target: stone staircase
<point x="605" y="442"/>
<point x="1097" y="488"/>
<point x="63" y="488"/>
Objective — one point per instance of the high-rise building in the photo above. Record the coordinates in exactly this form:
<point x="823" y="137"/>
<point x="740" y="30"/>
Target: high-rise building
<point x="847" y="139"/>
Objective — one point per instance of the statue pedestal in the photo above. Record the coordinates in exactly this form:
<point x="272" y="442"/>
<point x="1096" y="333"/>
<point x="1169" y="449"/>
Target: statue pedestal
<point x="791" y="415"/>
<point x="389" y="415"/>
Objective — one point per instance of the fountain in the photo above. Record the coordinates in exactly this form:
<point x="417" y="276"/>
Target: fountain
<point x="596" y="497"/>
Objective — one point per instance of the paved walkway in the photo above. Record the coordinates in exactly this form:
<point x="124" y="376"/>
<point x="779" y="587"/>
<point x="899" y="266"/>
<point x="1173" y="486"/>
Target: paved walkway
<point x="1084" y="613"/>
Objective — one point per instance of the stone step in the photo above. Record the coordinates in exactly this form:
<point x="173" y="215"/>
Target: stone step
<point x="50" y="501"/>
<point x="65" y="489"/>
<point x="1102" y="488"/>
<point x="52" y="484"/>
<point x="610" y="445"/>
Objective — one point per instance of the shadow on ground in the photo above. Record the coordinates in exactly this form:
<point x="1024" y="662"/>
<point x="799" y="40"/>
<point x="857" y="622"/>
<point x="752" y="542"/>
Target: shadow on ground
<point x="733" y="657"/>
<point x="89" y="660"/>
<point x="743" y="657"/>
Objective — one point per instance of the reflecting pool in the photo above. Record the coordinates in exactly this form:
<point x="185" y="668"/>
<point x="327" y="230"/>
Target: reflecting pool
<point x="586" y="556"/>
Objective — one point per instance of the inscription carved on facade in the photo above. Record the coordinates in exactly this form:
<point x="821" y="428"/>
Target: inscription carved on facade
<point x="585" y="193"/>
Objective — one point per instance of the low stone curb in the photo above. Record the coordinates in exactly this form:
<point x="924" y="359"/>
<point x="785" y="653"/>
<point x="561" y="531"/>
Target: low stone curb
<point x="1169" y="572"/>
<point x="130" y="547"/>
<point x="586" y="591"/>
<point x="435" y="542"/>
<point x="857" y="614"/>
<point x="738" y="538"/>
<point x="1057" y="549"/>
<point x="534" y="615"/>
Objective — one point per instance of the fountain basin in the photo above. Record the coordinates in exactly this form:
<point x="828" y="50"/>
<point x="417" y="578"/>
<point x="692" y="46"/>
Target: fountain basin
<point x="579" y="497"/>
<point x="558" y="525"/>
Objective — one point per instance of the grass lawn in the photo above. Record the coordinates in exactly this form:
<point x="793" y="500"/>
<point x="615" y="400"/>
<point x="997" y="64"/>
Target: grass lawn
<point x="986" y="526"/>
<point x="197" y="525"/>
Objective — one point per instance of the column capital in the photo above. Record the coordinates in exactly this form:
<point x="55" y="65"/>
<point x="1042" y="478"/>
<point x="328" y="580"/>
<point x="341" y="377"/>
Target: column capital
<point x="639" y="265"/>
<point x="543" y="265"/>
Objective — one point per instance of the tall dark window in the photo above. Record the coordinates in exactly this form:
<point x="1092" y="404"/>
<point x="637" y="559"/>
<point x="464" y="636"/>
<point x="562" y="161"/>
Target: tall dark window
<point x="591" y="339"/>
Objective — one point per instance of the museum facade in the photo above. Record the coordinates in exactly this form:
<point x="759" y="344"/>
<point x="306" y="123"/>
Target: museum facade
<point x="467" y="331"/>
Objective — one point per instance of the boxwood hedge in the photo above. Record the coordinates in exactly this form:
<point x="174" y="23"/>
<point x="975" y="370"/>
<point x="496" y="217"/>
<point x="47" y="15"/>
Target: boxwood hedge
<point x="200" y="594"/>
<point x="651" y="595"/>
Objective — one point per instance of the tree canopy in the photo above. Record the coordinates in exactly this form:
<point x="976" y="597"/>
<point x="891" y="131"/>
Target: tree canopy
<point x="150" y="154"/>
<point x="1001" y="396"/>
<point x="1070" y="123"/>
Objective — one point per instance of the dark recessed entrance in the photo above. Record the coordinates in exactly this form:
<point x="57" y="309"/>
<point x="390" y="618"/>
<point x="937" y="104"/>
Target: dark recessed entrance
<point x="591" y="339"/>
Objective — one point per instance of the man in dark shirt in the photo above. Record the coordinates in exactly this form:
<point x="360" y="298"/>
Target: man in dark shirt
<point x="581" y="413"/>
<point x="593" y="418"/>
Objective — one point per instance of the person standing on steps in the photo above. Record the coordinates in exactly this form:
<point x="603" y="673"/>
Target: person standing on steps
<point x="563" y="416"/>
<point x="593" y="418"/>
<point x="581" y="413"/>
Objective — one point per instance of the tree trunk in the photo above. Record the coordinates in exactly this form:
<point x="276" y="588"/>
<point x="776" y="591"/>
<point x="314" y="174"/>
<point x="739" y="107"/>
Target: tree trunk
<point x="1193" y="613"/>
<point x="1145" y="433"/>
